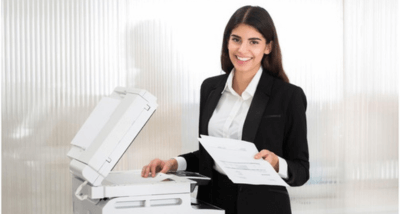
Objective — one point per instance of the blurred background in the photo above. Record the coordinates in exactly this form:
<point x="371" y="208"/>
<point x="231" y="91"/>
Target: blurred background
<point x="59" y="57"/>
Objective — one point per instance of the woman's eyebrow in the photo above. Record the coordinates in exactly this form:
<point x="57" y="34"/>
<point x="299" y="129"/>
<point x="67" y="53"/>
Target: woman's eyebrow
<point x="254" y="38"/>
<point x="233" y="35"/>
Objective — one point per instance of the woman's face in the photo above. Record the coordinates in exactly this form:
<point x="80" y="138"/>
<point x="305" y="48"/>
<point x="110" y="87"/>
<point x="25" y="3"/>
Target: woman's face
<point x="246" y="48"/>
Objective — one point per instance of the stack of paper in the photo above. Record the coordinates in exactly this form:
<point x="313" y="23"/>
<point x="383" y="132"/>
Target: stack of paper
<point x="236" y="159"/>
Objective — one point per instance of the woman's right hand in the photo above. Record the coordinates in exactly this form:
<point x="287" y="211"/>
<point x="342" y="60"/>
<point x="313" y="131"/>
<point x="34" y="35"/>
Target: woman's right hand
<point x="158" y="165"/>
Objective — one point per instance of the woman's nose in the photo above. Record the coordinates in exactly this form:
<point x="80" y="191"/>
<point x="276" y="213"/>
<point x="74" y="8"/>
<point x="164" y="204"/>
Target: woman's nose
<point x="243" y="48"/>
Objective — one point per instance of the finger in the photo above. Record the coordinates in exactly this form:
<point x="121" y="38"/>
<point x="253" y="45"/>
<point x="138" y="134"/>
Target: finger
<point x="144" y="170"/>
<point x="149" y="168"/>
<point x="262" y="154"/>
<point x="153" y="169"/>
<point x="146" y="173"/>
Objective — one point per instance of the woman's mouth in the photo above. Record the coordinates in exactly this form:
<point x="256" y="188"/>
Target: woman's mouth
<point x="244" y="59"/>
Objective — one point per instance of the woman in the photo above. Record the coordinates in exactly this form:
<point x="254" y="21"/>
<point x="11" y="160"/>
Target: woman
<point x="253" y="102"/>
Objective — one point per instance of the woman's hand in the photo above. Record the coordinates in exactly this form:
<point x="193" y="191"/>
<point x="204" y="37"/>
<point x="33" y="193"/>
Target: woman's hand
<point x="158" y="165"/>
<point x="270" y="157"/>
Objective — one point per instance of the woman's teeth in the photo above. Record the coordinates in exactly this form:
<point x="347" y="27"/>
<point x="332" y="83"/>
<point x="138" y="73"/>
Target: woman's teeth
<point x="243" y="59"/>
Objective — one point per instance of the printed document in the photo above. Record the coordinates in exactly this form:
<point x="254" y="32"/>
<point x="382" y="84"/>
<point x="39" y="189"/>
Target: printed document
<point x="236" y="159"/>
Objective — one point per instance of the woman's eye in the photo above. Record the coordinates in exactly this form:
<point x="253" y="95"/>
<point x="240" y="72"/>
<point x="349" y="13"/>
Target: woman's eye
<point x="235" y="39"/>
<point x="254" y="42"/>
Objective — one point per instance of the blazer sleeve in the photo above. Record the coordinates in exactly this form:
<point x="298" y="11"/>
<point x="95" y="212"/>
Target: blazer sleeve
<point x="295" y="147"/>
<point x="192" y="158"/>
<point x="192" y="161"/>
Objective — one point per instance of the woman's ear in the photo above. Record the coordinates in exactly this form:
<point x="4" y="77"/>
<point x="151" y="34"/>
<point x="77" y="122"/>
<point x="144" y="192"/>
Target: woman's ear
<point x="268" y="48"/>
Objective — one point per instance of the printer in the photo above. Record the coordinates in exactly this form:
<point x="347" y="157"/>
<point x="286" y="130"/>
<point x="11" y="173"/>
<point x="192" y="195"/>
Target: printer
<point x="98" y="146"/>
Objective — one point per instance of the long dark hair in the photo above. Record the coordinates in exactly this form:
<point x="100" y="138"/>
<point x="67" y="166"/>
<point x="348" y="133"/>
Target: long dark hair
<point x="260" y="19"/>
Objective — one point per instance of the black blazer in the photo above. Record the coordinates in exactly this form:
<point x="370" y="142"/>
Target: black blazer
<point x="276" y="121"/>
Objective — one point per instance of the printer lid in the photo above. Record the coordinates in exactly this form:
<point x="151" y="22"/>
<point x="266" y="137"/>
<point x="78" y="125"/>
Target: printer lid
<point x="108" y="132"/>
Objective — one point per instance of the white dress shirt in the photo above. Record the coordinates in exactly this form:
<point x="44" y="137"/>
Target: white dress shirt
<point x="228" y="118"/>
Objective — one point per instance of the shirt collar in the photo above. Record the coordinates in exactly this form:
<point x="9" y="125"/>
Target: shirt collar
<point x="251" y="88"/>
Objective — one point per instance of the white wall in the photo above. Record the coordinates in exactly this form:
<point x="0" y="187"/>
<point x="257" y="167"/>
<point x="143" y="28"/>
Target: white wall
<point x="60" y="57"/>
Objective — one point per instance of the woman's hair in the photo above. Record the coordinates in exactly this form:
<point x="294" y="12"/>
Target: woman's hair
<point x="260" y="19"/>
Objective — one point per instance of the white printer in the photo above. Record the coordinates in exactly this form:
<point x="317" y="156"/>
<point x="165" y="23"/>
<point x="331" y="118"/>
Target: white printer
<point x="98" y="146"/>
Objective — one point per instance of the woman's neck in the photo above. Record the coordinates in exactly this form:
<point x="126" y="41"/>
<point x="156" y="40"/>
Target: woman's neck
<point x="241" y="80"/>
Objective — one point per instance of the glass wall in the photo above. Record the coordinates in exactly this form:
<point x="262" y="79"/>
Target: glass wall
<point x="60" y="57"/>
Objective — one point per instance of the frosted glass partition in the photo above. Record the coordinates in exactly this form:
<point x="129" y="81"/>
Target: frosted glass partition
<point x="60" y="57"/>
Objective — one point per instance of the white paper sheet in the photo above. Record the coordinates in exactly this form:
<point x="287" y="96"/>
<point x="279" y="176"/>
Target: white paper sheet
<point x="236" y="159"/>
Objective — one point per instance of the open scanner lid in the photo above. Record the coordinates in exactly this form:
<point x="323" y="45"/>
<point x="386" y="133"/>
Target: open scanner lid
<point x="108" y="132"/>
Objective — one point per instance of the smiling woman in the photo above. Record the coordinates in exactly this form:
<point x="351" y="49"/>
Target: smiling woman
<point x="258" y="25"/>
<point x="238" y="105"/>
<point x="61" y="57"/>
<point x="247" y="48"/>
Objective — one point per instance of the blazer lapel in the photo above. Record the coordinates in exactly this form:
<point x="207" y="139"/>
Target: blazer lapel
<point x="211" y="104"/>
<point x="257" y="107"/>
<point x="212" y="97"/>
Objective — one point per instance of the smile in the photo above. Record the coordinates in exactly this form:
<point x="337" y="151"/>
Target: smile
<point x="243" y="58"/>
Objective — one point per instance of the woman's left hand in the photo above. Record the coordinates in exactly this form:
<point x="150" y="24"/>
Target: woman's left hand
<point x="270" y="157"/>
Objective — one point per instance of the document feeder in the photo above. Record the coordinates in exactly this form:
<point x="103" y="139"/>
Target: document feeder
<point x="98" y="146"/>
